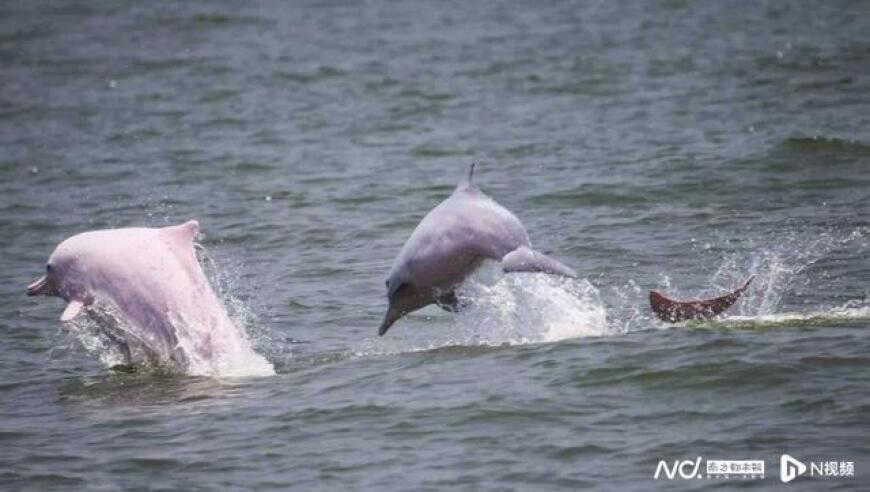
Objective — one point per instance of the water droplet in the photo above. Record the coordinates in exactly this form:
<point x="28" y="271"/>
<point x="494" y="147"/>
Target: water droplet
<point x="34" y="170"/>
<point x="268" y="198"/>
<point x="779" y="54"/>
<point x="113" y="83"/>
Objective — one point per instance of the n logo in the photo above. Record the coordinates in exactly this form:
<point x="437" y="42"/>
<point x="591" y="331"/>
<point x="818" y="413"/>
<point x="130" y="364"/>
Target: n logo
<point x="790" y="468"/>
<point x="688" y="469"/>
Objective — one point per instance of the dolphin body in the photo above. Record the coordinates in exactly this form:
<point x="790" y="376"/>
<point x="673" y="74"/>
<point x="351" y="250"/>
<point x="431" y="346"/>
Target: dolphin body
<point x="450" y="243"/>
<point x="150" y="278"/>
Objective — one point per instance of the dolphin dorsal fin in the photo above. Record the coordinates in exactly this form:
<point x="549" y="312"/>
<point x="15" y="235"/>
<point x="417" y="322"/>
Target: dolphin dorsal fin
<point x="467" y="183"/>
<point x="185" y="232"/>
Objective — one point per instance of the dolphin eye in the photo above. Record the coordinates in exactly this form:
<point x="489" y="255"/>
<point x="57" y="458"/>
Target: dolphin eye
<point x="47" y="267"/>
<point x="399" y="288"/>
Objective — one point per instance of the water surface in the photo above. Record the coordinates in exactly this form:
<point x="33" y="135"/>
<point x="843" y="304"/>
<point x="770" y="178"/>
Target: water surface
<point x="672" y="145"/>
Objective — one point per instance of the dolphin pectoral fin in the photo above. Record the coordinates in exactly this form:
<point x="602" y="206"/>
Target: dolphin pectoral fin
<point x="72" y="310"/>
<point x="524" y="259"/>
<point x="449" y="302"/>
<point x="674" y="311"/>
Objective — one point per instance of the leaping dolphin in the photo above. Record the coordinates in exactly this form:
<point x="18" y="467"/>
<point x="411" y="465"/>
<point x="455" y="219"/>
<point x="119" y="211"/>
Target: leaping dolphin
<point x="450" y="243"/>
<point x="674" y="311"/>
<point x="152" y="280"/>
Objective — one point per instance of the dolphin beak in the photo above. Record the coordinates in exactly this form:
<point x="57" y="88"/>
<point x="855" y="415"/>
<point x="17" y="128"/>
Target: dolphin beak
<point x="38" y="287"/>
<point x="389" y="319"/>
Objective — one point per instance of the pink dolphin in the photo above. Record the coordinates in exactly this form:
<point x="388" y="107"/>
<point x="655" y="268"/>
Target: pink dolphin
<point x="152" y="280"/>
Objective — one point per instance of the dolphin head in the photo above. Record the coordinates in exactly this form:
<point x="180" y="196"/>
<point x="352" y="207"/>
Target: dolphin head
<point x="63" y="278"/>
<point x="404" y="297"/>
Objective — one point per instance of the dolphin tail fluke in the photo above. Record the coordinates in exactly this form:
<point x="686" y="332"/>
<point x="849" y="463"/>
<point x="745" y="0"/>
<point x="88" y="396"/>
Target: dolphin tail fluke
<point x="674" y="311"/>
<point x="525" y="259"/>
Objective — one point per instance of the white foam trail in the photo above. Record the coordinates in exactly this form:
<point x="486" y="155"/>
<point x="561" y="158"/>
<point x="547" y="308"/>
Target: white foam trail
<point x="842" y="314"/>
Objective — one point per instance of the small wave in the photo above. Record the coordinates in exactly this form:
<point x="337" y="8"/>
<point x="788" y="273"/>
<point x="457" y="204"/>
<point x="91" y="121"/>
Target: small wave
<point x="307" y="77"/>
<point x="588" y="196"/>
<point x="433" y="151"/>
<point x="790" y="153"/>
<point x="824" y="144"/>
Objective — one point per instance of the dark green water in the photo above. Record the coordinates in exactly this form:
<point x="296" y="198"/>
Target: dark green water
<point x="669" y="144"/>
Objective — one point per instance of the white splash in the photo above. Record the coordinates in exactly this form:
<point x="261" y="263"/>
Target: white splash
<point x="533" y="308"/>
<point x="241" y="359"/>
<point x="778" y="267"/>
